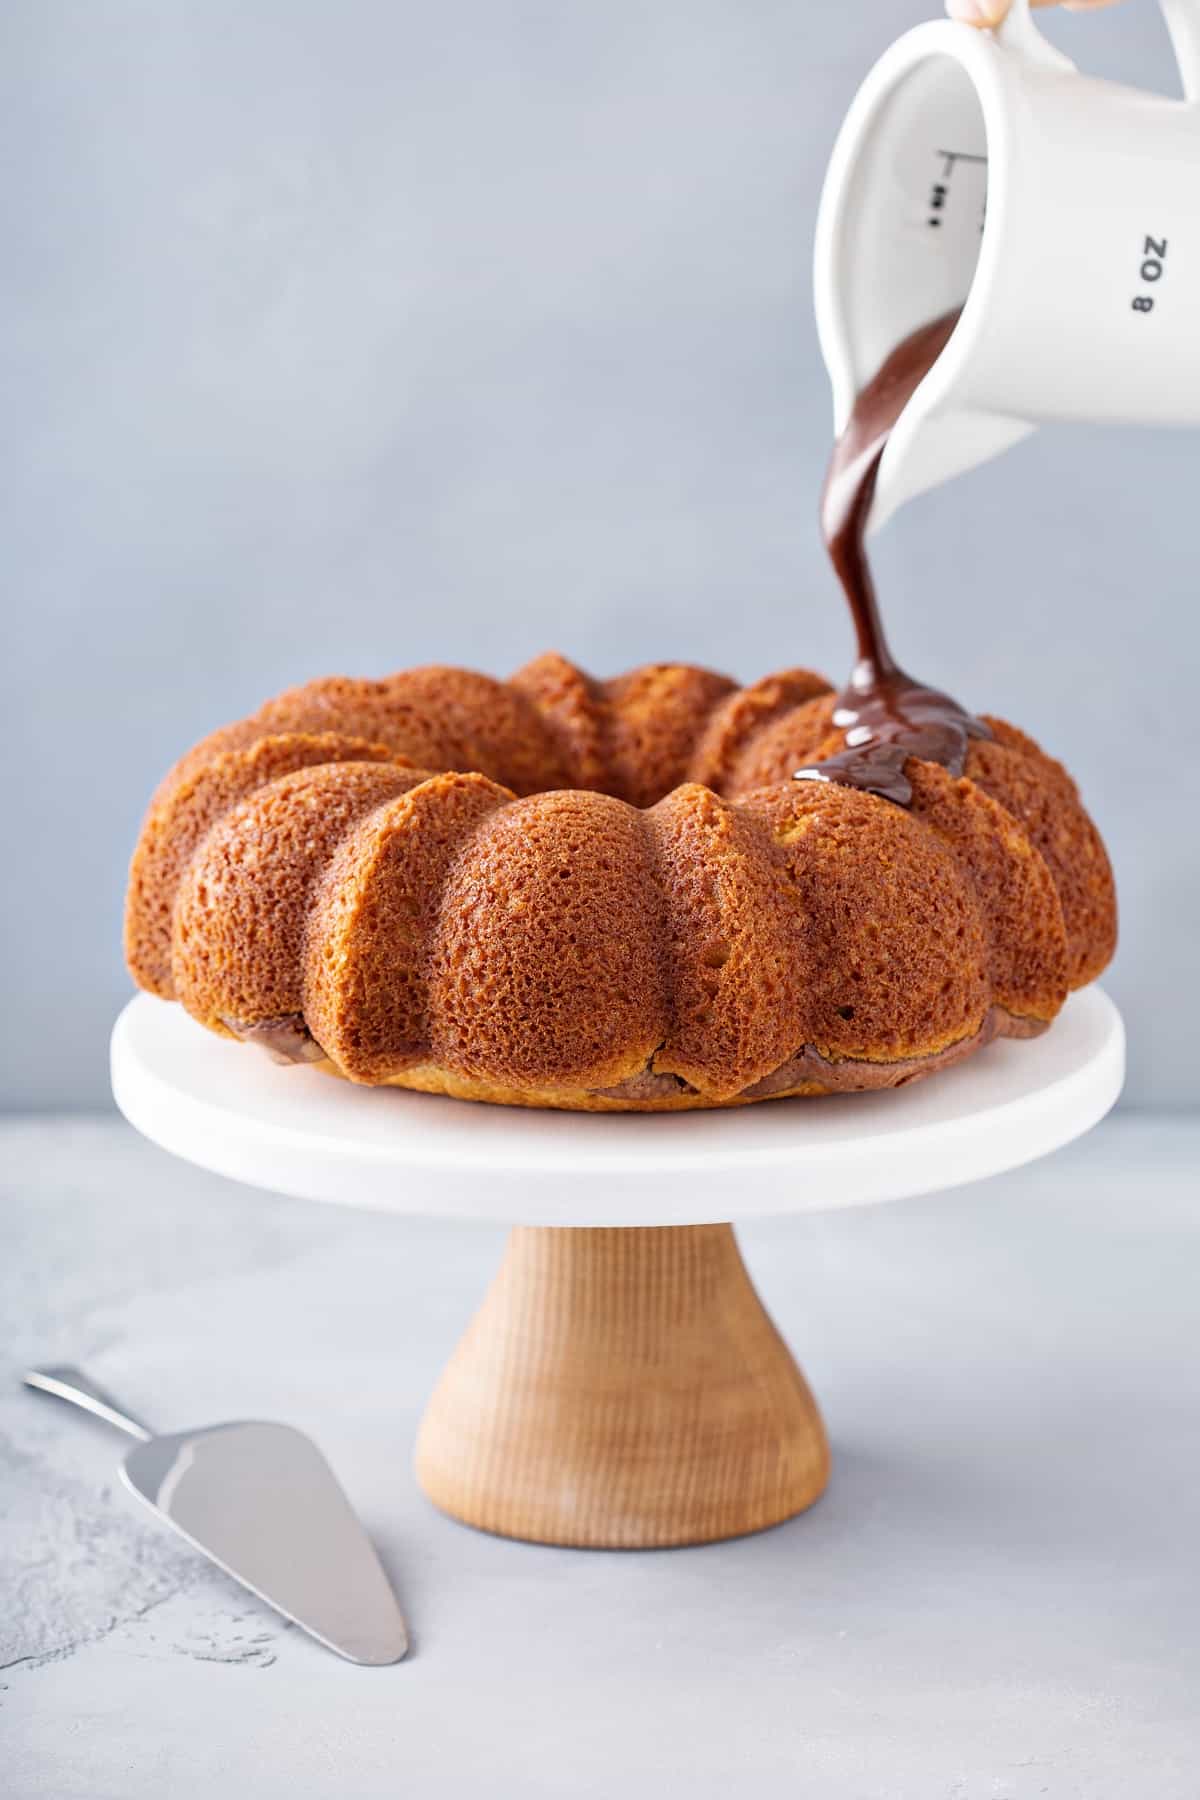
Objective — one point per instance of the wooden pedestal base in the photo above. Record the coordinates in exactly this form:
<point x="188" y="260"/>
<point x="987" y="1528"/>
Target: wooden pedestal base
<point x="621" y="1389"/>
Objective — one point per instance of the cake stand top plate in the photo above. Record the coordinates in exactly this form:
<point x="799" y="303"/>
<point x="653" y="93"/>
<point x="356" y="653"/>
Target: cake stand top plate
<point x="299" y="1131"/>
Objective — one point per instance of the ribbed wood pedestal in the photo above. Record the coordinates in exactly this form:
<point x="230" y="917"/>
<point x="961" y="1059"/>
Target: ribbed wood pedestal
<point x="622" y="1389"/>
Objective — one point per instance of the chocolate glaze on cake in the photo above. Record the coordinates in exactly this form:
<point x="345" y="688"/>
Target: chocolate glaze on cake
<point x="286" y="1039"/>
<point x="886" y="714"/>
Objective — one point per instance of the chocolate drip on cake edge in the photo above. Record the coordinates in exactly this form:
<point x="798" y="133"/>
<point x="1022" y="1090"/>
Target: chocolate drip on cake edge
<point x="886" y="715"/>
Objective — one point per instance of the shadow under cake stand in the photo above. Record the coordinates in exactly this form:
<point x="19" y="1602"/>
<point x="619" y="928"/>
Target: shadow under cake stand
<point x="621" y="1385"/>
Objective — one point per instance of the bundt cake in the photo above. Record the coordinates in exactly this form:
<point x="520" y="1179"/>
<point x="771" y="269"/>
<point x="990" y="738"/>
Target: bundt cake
<point x="608" y="895"/>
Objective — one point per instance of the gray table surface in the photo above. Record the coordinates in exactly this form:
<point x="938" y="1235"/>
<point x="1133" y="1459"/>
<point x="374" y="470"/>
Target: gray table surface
<point x="997" y="1597"/>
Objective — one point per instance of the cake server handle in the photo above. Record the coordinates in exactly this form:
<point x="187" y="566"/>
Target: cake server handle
<point x="67" y="1383"/>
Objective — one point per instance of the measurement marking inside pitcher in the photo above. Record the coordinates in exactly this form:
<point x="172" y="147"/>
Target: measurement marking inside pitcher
<point x="950" y="157"/>
<point x="937" y="195"/>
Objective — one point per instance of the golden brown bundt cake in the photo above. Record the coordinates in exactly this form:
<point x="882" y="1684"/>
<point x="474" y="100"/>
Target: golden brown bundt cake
<point x="608" y="895"/>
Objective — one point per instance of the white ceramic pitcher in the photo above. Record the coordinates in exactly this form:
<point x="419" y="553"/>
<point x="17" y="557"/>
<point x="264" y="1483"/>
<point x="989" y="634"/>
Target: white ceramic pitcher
<point x="1062" y="213"/>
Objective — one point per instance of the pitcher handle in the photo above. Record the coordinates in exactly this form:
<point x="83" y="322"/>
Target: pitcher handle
<point x="1183" y="27"/>
<point x="1019" y="33"/>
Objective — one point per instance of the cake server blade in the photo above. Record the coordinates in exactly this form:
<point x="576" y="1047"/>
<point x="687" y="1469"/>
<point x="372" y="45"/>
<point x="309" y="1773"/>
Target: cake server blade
<point x="260" y="1501"/>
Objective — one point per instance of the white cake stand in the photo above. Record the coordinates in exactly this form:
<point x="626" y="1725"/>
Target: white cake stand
<point x="621" y="1384"/>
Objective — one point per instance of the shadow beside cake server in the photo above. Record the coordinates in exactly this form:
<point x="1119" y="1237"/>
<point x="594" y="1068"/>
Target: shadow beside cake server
<point x="260" y="1500"/>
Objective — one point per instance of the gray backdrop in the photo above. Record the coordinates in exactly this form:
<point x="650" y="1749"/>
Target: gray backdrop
<point x="349" y="334"/>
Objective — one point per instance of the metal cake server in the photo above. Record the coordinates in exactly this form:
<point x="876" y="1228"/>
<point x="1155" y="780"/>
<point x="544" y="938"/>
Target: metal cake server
<point x="261" y="1501"/>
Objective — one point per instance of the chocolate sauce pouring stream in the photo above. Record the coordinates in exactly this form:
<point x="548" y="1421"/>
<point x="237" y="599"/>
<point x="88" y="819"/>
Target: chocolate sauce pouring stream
<point x="886" y="715"/>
